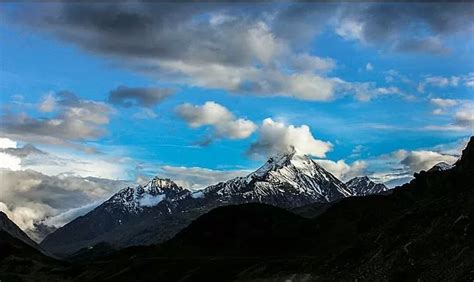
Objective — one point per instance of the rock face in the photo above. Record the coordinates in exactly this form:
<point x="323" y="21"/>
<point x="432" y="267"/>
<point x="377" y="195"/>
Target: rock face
<point x="363" y="186"/>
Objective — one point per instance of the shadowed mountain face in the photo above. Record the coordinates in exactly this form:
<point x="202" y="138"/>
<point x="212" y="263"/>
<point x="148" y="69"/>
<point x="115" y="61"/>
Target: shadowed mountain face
<point x="422" y="231"/>
<point x="155" y="212"/>
<point x="13" y="230"/>
<point x="21" y="259"/>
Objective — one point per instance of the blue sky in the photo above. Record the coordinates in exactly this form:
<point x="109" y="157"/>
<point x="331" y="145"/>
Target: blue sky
<point x="392" y="111"/>
<point x="370" y="89"/>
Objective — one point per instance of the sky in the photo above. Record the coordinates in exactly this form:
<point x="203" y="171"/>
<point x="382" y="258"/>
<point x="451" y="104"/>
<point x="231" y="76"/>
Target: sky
<point x="94" y="97"/>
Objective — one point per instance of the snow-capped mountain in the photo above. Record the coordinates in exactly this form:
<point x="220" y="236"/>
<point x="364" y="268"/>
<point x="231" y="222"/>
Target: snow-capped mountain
<point x="442" y="166"/>
<point x="287" y="180"/>
<point x="156" y="211"/>
<point x="136" y="199"/>
<point x="363" y="186"/>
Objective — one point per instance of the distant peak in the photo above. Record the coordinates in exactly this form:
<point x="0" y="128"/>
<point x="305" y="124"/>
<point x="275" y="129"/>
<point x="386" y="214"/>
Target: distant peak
<point x="441" y="166"/>
<point x="161" y="183"/>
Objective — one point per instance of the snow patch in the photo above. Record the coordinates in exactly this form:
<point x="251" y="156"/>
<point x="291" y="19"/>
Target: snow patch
<point x="149" y="200"/>
<point x="197" y="195"/>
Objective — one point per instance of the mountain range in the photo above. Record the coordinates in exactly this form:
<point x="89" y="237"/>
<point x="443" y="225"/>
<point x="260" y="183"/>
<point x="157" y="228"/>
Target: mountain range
<point x="420" y="231"/>
<point x="155" y="212"/>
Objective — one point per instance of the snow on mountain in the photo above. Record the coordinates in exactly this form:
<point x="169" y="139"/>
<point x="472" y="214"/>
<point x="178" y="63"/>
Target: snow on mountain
<point x="154" y="192"/>
<point x="286" y="180"/>
<point x="156" y="211"/>
<point x="363" y="186"/>
<point x="442" y="166"/>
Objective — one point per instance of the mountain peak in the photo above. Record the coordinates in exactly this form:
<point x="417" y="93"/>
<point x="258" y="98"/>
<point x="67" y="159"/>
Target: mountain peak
<point x="362" y="186"/>
<point x="149" y="195"/>
<point x="288" y="179"/>
<point x="159" y="185"/>
<point x="291" y="157"/>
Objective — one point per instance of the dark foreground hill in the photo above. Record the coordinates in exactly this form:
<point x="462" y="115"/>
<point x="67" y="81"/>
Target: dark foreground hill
<point x="423" y="231"/>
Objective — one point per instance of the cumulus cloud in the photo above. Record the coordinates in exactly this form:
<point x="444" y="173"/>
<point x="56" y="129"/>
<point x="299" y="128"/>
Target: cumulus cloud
<point x="462" y="120"/>
<point x="30" y="197"/>
<point x="399" y="166"/>
<point x="62" y="162"/>
<point x="224" y="122"/>
<point x="465" y="116"/>
<point x="417" y="160"/>
<point x="75" y="120"/>
<point x="423" y="160"/>
<point x="277" y="137"/>
<point x="442" y="104"/>
<point x="139" y="96"/>
<point x="342" y="170"/>
<point x="11" y="156"/>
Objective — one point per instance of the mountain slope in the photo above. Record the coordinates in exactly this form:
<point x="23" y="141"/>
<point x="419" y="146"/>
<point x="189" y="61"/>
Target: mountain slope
<point x="21" y="259"/>
<point x="155" y="212"/>
<point x="13" y="230"/>
<point x="127" y="218"/>
<point x="363" y="186"/>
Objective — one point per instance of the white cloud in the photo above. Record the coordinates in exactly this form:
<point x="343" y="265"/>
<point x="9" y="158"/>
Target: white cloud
<point x="440" y="82"/>
<point x="7" y="143"/>
<point x="276" y="137"/>
<point x="369" y="67"/>
<point x="366" y="91"/>
<point x="218" y="116"/>
<point x="465" y="116"/>
<point x="350" y="30"/>
<point x="197" y="177"/>
<point x="48" y="104"/>
<point x="424" y="160"/>
<point x="342" y="170"/>
<point x="71" y="214"/>
<point x="6" y="160"/>
<point x="463" y="119"/>
<point x="308" y="63"/>
<point x="9" y="161"/>
<point x="29" y="197"/>
<point x="76" y="120"/>
<point x="444" y="102"/>
<point x="469" y="80"/>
